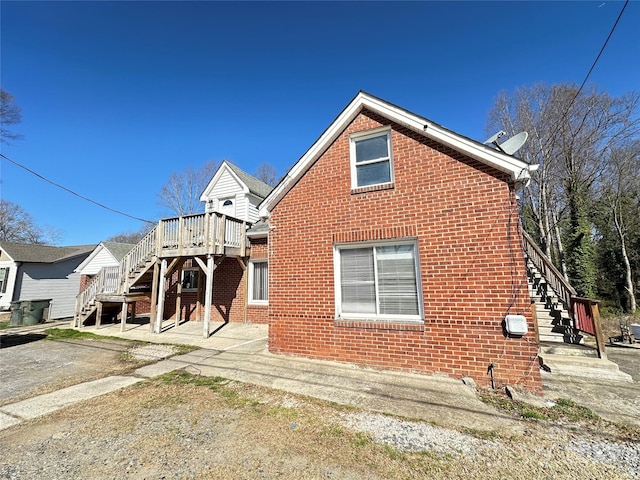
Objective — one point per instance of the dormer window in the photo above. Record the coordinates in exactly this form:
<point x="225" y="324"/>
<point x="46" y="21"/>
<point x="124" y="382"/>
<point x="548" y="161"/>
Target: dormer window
<point x="371" y="161"/>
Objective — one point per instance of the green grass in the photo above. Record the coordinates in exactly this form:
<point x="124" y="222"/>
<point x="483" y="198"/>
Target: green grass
<point x="70" y="333"/>
<point x="4" y="325"/>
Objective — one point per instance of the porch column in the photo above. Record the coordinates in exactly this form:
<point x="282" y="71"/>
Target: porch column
<point x="98" y="314"/>
<point x="123" y="319"/>
<point x="161" y="295"/>
<point x="207" y="296"/>
<point x="154" y="298"/>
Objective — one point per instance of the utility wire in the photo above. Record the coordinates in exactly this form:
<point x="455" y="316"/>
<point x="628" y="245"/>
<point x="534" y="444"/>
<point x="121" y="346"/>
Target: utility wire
<point x="72" y="192"/>
<point x="593" y="65"/>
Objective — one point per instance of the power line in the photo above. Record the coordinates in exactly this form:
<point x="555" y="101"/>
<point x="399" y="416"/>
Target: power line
<point x="604" y="45"/>
<point x="72" y="192"/>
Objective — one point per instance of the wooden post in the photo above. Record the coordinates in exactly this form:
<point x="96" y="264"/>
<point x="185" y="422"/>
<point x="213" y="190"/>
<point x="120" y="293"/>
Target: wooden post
<point x="179" y="297"/>
<point x="220" y="233"/>
<point x="161" y="295"/>
<point x="98" y="315"/>
<point x="133" y="311"/>
<point x="123" y="320"/>
<point x="208" y="295"/>
<point x="595" y="313"/>
<point x="154" y="297"/>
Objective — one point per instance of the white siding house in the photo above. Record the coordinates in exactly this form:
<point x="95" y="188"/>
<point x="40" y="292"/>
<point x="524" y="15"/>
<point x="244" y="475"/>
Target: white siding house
<point x="235" y="193"/>
<point x="106" y="254"/>
<point x="37" y="272"/>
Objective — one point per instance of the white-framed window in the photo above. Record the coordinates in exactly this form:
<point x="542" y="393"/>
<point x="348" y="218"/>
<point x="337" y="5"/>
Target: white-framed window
<point x="258" y="282"/>
<point x="4" y="279"/>
<point x="378" y="281"/>
<point x="190" y="279"/>
<point x="371" y="159"/>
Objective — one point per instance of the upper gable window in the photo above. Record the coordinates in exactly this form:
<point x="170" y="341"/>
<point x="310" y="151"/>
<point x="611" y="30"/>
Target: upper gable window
<point x="371" y="162"/>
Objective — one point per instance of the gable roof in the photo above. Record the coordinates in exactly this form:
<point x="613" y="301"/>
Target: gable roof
<point x="30" y="253"/>
<point x="516" y="168"/>
<point x="253" y="185"/>
<point x="116" y="249"/>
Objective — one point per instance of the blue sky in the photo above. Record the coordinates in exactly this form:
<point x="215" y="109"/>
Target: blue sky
<point x="116" y="96"/>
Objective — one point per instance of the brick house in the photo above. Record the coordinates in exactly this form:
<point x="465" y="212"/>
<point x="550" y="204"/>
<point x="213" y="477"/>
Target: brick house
<point x="394" y="242"/>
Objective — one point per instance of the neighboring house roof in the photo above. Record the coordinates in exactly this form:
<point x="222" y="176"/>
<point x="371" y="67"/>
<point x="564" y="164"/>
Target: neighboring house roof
<point x="117" y="251"/>
<point x="516" y="168"/>
<point x="259" y="229"/>
<point x="30" y="253"/>
<point x="254" y="186"/>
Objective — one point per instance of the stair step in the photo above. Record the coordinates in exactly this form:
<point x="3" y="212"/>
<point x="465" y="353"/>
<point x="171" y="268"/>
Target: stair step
<point x="584" y="367"/>
<point x="568" y="349"/>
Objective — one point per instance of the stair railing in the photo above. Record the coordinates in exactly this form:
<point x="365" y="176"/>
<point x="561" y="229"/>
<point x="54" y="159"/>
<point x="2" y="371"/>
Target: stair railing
<point x="138" y="255"/>
<point x="551" y="274"/>
<point x="106" y="280"/>
<point x="586" y="316"/>
<point x="584" y="311"/>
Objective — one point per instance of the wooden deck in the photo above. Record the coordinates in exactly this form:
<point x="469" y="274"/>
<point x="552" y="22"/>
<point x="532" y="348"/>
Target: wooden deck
<point x="204" y="237"/>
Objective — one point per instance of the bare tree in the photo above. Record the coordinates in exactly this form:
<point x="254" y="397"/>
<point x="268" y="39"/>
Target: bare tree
<point x="572" y="135"/>
<point x="16" y="225"/>
<point x="620" y="195"/>
<point x="181" y="194"/>
<point x="9" y="115"/>
<point x="133" y="236"/>
<point x="268" y="174"/>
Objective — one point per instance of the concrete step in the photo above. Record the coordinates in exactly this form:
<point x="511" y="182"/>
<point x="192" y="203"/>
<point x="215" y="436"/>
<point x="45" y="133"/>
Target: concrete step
<point x="578" y="366"/>
<point x="568" y="349"/>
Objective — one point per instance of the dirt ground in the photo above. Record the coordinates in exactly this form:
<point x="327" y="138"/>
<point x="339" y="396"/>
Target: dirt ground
<point x="182" y="425"/>
<point x="171" y="428"/>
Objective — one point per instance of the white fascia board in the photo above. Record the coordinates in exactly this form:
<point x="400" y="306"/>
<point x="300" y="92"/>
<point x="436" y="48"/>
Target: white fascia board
<point x="306" y="161"/>
<point x="211" y="185"/>
<point x="90" y="258"/>
<point x="518" y="169"/>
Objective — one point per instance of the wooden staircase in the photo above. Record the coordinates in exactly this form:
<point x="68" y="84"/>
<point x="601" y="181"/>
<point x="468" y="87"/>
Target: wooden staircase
<point x="211" y="233"/>
<point x="568" y="326"/>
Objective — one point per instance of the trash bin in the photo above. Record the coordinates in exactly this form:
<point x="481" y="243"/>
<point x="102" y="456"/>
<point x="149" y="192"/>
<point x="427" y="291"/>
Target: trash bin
<point x="635" y="329"/>
<point x="28" y="312"/>
<point x="16" y="314"/>
<point x="33" y="311"/>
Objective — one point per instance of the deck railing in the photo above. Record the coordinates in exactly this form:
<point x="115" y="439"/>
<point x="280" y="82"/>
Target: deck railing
<point x="205" y="233"/>
<point x="201" y="234"/>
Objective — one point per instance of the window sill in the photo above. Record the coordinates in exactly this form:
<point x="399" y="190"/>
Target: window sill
<point x="415" y="326"/>
<point x="373" y="188"/>
<point x="258" y="304"/>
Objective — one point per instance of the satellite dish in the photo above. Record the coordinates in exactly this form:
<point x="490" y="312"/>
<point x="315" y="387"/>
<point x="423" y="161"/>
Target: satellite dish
<point x="494" y="138"/>
<point x="513" y="144"/>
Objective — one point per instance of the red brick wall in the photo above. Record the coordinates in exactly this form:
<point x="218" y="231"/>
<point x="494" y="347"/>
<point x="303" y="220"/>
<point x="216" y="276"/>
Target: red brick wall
<point x="228" y="303"/>
<point x="84" y="281"/>
<point x="258" y="313"/>
<point x="465" y="218"/>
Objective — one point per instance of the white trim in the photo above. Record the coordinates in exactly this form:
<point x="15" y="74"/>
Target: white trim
<point x="419" y="318"/>
<point x="354" y="138"/>
<point x="518" y="170"/>
<point x="223" y="167"/>
<point x="250" y="300"/>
